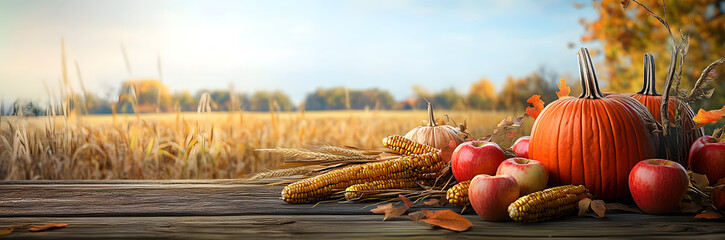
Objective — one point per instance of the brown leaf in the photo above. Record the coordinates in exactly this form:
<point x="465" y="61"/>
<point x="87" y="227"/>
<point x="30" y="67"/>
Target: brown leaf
<point x="433" y="202"/>
<point x="698" y="180"/>
<point x="622" y="207"/>
<point x="689" y="207"/>
<point x="709" y="215"/>
<point x="599" y="207"/>
<point x="38" y="228"/>
<point x="584" y="206"/>
<point x="625" y="4"/>
<point x="448" y="219"/>
<point x="447" y="151"/>
<point x="416" y="216"/>
<point x="506" y="122"/>
<point x="405" y="200"/>
<point x="6" y="231"/>
<point x="389" y="210"/>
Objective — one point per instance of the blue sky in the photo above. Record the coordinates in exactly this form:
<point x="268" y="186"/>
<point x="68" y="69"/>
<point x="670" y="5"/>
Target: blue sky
<point x="294" y="46"/>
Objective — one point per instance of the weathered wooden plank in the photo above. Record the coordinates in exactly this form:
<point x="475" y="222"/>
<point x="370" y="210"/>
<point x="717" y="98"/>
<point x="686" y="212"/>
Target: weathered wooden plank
<point x="222" y="209"/>
<point x="193" y="198"/>
<point x="363" y="226"/>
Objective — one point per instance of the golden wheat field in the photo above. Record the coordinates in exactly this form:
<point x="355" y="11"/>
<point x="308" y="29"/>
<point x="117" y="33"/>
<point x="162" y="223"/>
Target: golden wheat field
<point x="195" y="145"/>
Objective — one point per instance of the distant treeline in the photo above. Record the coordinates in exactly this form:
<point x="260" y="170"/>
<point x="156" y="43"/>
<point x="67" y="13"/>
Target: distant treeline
<point x="150" y="95"/>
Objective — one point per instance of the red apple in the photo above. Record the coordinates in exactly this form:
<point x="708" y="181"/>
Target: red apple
<point x="521" y="147"/>
<point x="707" y="156"/>
<point x="476" y="157"/>
<point x="531" y="175"/>
<point x="491" y="196"/>
<point x="658" y="185"/>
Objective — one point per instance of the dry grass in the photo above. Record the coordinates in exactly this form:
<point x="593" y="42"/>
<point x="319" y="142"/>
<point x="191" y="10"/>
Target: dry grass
<point x="192" y="145"/>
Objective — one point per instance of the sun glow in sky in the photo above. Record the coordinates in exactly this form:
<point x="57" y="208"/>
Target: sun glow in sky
<point x="295" y="46"/>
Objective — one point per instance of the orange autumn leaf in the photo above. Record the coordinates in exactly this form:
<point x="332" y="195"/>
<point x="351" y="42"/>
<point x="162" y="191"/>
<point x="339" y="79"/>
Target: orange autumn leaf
<point x="6" y="231"/>
<point x="447" y="219"/>
<point x="704" y="117"/>
<point x="563" y="89"/>
<point x="538" y="106"/>
<point x="38" y="228"/>
<point x="709" y="215"/>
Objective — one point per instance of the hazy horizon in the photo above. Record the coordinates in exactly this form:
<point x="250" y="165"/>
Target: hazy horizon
<point x="293" y="46"/>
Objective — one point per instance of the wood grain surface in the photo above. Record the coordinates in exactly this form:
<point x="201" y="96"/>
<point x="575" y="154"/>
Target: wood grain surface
<point x="231" y="209"/>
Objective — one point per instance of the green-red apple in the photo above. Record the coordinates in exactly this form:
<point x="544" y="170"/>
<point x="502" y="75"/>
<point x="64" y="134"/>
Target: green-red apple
<point x="521" y="147"/>
<point x="658" y="185"/>
<point x="530" y="175"/>
<point x="707" y="156"/>
<point x="476" y="157"/>
<point x="491" y="196"/>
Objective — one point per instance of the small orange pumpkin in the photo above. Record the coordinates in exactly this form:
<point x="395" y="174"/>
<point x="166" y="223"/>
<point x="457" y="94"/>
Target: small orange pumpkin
<point x="652" y="100"/>
<point x="594" y="139"/>
<point x="437" y="136"/>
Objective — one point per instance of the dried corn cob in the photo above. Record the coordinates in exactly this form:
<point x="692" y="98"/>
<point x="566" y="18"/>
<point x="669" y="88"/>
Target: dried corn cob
<point x="370" y="188"/>
<point x="458" y="194"/>
<point x="405" y="146"/>
<point x="548" y="204"/>
<point x="322" y="186"/>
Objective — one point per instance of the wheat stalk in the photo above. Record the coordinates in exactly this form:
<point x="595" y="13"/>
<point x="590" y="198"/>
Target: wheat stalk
<point x="285" y="172"/>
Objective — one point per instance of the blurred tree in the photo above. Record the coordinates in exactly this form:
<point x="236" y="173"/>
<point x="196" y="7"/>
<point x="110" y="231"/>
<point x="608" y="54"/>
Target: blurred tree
<point x="336" y="99"/>
<point x="627" y="35"/>
<point x="186" y="101"/>
<point x="446" y="99"/>
<point x="515" y="92"/>
<point x="147" y="91"/>
<point x="482" y="94"/>
<point x="263" y="101"/>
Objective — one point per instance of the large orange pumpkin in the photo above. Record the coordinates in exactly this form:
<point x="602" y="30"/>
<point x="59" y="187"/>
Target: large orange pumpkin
<point x="652" y="100"/>
<point x="594" y="139"/>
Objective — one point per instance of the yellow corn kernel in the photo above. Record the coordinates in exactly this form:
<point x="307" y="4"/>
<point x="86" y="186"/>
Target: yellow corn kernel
<point x="401" y="145"/>
<point x="548" y="204"/>
<point x="458" y="194"/>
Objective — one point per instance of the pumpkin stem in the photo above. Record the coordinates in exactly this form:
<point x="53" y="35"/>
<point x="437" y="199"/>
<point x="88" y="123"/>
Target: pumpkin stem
<point x="431" y="117"/>
<point x="648" y="87"/>
<point x="590" y="85"/>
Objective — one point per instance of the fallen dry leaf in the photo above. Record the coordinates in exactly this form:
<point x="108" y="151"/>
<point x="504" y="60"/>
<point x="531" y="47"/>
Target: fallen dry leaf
<point x="447" y="151"/>
<point x="698" y="180"/>
<point x="433" y="202"/>
<point x="563" y="89"/>
<point x="389" y="210"/>
<point x="406" y="200"/>
<point x="622" y="207"/>
<point x="709" y="215"/>
<point x="584" y="206"/>
<point x="6" y="231"/>
<point x="704" y="117"/>
<point x="599" y="207"/>
<point x="447" y="219"/>
<point x="38" y="228"/>
<point x="689" y="207"/>
<point x="416" y="216"/>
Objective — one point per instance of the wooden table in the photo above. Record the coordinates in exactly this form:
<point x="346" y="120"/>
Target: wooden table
<point x="229" y="209"/>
